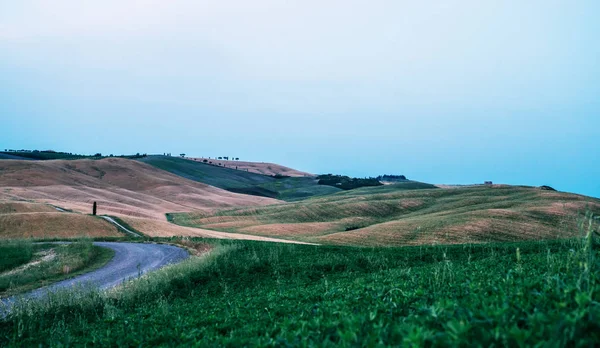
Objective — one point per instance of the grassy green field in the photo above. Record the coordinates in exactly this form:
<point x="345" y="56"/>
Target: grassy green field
<point x="14" y="254"/>
<point x="267" y="294"/>
<point x="240" y="181"/>
<point x="25" y="265"/>
<point x="409" y="214"/>
<point x="294" y="189"/>
<point x="398" y="265"/>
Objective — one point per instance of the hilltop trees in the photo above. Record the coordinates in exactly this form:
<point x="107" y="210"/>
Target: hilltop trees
<point x="392" y="178"/>
<point x="345" y="182"/>
<point x="227" y="158"/>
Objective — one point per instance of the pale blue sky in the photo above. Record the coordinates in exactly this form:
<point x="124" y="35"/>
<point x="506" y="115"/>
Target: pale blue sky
<point x="441" y="91"/>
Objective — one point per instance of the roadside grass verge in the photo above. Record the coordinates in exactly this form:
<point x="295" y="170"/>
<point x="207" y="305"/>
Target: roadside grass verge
<point x="61" y="209"/>
<point x="14" y="254"/>
<point x="247" y="293"/>
<point x="48" y="263"/>
<point x="127" y="226"/>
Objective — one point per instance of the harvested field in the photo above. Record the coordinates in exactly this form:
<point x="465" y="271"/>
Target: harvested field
<point x="387" y="216"/>
<point x="121" y="187"/>
<point x="9" y="207"/>
<point x="256" y="167"/>
<point x="290" y="230"/>
<point x="155" y="228"/>
<point x="54" y="225"/>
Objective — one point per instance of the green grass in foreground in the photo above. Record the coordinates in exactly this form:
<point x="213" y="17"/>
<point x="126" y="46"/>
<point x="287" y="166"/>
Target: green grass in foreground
<point x="251" y="293"/>
<point x="49" y="263"/>
<point x="14" y="254"/>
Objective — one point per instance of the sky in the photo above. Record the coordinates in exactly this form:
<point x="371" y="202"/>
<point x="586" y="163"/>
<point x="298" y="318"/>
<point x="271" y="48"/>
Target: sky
<point x="453" y="92"/>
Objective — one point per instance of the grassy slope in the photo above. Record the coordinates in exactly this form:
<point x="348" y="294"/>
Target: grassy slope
<point x="209" y="174"/>
<point x="43" y="156"/>
<point x="264" y="168"/>
<point x="6" y="156"/>
<point x="260" y="294"/>
<point x="19" y="220"/>
<point x="68" y="261"/>
<point x="127" y="226"/>
<point x="294" y="189"/>
<point x="392" y="215"/>
<point x="51" y="224"/>
<point x="14" y="254"/>
<point x="121" y="187"/>
<point x="240" y="181"/>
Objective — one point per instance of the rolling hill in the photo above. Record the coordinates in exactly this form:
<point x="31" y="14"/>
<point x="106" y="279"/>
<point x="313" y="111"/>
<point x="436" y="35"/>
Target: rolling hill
<point x="54" y="225"/>
<point x="5" y="156"/>
<point x="207" y="201"/>
<point x="121" y="187"/>
<point x="395" y="215"/>
<point x="240" y="181"/>
<point x="263" y="168"/>
<point x="20" y="219"/>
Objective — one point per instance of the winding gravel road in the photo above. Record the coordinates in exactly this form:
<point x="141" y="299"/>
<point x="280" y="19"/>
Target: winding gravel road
<point x="130" y="261"/>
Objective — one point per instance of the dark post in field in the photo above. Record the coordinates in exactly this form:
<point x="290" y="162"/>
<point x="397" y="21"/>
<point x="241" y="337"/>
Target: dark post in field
<point x="94" y="209"/>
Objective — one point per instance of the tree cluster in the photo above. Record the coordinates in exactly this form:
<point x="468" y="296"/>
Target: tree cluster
<point x="54" y="155"/>
<point x="391" y="178"/>
<point x="346" y="182"/>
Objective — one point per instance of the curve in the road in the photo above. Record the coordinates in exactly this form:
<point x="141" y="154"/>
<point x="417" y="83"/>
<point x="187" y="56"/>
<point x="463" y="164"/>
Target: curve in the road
<point x="130" y="261"/>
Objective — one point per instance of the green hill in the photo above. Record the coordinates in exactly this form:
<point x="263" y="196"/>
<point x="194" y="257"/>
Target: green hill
<point x="403" y="214"/>
<point x="5" y="155"/>
<point x="239" y="181"/>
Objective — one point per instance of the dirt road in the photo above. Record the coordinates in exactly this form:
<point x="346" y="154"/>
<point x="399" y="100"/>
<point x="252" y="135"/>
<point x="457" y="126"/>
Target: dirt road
<point x="130" y="261"/>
